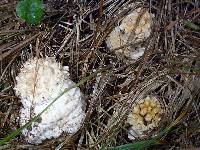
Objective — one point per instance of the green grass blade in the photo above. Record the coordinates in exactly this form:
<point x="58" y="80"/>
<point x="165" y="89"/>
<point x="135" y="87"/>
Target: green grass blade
<point x="188" y="69"/>
<point x="16" y="132"/>
<point x="4" y="38"/>
<point x="191" y="25"/>
<point x="136" y="145"/>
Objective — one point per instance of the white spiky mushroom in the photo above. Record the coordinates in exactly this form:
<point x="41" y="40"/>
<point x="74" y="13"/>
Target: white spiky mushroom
<point x="135" y="27"/>
<point x="145" y="116"/>
<point x="39" y="82"/>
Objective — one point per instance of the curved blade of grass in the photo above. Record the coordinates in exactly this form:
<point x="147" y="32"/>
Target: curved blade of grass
<point x="4" y="38"/>
<point x="189" y="69"/>
<point x="136" y="145"/>
<point x="16" y="132"/>
<point x="191" y="25"/>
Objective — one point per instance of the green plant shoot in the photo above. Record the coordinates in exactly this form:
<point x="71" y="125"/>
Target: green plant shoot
<point x="30" y="10"/>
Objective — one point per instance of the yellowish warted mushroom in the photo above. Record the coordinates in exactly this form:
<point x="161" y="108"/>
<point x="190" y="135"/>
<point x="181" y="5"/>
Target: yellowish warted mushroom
<point x="145" y="116"/>
<point x="134" y="28"/>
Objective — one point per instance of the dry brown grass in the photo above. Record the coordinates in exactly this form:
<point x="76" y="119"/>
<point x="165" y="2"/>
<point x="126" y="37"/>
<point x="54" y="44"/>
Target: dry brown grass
<point x="75" y="33"/>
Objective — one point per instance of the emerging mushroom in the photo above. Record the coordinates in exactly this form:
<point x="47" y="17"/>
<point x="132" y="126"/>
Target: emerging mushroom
<point x="134" y="28"/>
<point x="39" y="82"/>
<point x="145" y="116"/>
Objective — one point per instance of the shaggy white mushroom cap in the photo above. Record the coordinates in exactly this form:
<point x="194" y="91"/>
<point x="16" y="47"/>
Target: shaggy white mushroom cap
<point x="145" y="116"/>
<point x="38" y="83"/>
<point x="135" y="27"/>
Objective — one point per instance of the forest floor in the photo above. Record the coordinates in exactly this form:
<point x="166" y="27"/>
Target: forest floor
<point x="74" y="32"/>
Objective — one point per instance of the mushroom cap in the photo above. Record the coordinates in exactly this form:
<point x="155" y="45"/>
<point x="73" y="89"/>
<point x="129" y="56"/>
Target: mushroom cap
<point x="39" y="82"/>
<point x="133" y="28"/>
<point x="145" y="116"/>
